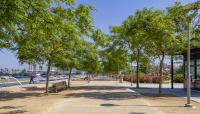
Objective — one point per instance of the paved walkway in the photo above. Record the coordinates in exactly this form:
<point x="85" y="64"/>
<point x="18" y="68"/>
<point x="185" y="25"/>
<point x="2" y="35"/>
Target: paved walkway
<point x="179" y="92"/>
<point x="166" y="89"/>
<point x="101" y="97"/>
<point x="149" y="85"/>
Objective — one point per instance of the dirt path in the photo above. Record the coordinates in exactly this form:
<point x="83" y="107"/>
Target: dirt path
<point x="103" y="98"/>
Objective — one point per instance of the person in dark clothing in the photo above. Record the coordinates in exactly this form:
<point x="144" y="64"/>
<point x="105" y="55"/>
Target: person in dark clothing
<point x="31" y="79"/>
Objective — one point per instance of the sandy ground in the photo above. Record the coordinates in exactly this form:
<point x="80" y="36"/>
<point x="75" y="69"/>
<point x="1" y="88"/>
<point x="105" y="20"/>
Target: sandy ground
<point x="103" y="98"/>
<point x="172" y="105"/>
<point x="99" y="97"/>
<point x="30" y="99"/>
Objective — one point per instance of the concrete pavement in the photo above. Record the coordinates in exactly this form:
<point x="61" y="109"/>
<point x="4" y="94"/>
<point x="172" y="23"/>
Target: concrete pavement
<point x="103" y="97"/>
<point x="166" y="89"/>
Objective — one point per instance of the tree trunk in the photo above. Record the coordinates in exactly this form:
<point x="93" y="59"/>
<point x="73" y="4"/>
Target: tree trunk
<point x="47" y="78"/>
<point x="88" y="78"/>
<point x="69" y="79"/>
<point x="161" y="74"/>
<point x="116" y="77"/>
<point x="137" y="75"/>
<point x="131" y="75"/>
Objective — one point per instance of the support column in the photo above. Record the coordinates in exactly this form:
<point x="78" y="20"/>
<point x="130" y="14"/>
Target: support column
<point x="195" y="68"/>
<point x="184" y="67"/>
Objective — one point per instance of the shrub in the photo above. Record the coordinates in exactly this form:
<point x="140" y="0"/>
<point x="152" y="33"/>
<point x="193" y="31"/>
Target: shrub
<point x="155" y="79"/>
<point x="126" y="78"/>
<point x="145" y="78"/>
<point x="165" y="78"/>
<point x="178" y="78"/>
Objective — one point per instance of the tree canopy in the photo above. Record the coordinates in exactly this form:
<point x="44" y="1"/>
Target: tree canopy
<point x="56" y="32"/>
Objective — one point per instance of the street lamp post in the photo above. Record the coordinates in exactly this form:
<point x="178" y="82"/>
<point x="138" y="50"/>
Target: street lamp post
<point x="188" y="104"/>
<point x="188" y="7"/>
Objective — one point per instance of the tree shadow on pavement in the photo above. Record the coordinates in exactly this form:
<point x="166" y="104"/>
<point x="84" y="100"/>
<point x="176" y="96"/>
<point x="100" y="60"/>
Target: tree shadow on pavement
<point x="111" y="105"/>
<point x="88" y="88"/>
<point x="104" y="95"/>
<point x="10" y="107"/>
<point x="35" y="88"/>
<point x="14" y="112"/>
<point x="18" y="95"/>
<point x="135" y="105"/>
<point x="137" y="113"/>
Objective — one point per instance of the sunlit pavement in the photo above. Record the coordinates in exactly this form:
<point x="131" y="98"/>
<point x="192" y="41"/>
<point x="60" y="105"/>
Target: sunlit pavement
<point x="166" y="89"/>
<point x="150" y="85"/>
<point x="103" y="97"/>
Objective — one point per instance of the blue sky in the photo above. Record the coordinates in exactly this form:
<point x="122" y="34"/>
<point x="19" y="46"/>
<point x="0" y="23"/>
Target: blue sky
<point x="106" y="13"/>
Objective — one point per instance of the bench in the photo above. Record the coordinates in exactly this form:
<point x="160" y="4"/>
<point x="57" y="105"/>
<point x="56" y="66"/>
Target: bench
<point x="57" y="86"/>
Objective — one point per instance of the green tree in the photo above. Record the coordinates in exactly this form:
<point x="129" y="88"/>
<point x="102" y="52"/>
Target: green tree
<point x="134" y="39"/>
<point x="89" y="59"/>
<point x="11" y="13"/>
<point x="114" y="58"/>
<point x="162" y="37"/>
<point x="179" y="13"/>
<point x="42" y="35"/>
<point x="70" y="58"/>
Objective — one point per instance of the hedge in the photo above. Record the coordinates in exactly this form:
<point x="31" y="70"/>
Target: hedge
<point x="178" y="78"/>
<point x="145" y="79"/>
